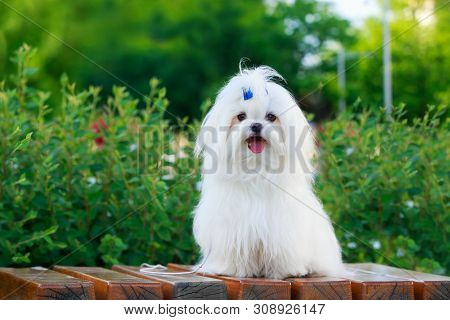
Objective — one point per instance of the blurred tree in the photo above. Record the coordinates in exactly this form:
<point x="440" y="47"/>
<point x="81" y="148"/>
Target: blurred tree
<point x="191" y="45"/>
<point x="420" y="57"/>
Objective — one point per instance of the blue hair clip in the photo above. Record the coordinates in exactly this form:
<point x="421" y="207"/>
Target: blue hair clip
<point x="248" y="94"/>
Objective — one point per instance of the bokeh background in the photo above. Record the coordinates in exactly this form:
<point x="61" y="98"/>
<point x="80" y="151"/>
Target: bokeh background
<point x="193" y="46"/>
<point x="96" y="158"/>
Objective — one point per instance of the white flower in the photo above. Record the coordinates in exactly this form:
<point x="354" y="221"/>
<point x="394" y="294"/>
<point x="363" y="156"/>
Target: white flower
<point x="349" y="151"/>
<point x="170" y="173"/>
<point x="351" y="245"/>
<point x="133" y="147"/>
<point x="91" y="181"/>
<point x="377" y="151"/>
<point x="410" y="204"/>
<point x="169" y="158"/>
<point x="376" y="244"/>
<point x="181" y="154"/>
<point x="400" y="252"/>
<point x="12" y="164"/>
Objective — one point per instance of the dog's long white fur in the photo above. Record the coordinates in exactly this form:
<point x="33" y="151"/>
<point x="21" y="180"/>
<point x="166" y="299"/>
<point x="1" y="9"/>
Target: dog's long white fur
<point x="261" y="222"/>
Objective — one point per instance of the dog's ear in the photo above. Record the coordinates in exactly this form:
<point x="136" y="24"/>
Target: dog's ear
<point x="207" y="133"/>
<point x="309" y="150"/>
<point x="200" y="143"/>
<point x="306" y="141"/>
<point x="300" y="140"/>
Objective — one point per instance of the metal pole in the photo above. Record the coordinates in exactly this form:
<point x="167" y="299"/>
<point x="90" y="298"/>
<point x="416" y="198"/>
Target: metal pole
<point x="341" y="78"/>
<point x="387" y="76"/>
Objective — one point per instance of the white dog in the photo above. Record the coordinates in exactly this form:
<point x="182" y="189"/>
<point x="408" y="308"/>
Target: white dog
<point x="258" y="215"/>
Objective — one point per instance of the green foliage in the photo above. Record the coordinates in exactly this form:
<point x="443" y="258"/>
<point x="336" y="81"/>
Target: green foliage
<point x="191" y="45"/>
<point x="96" y="183"/>
<point x="420" y="57"/>
<point x="386" y="185"/>
<point x="112" y="248"/>
<point x="105" y="182"/>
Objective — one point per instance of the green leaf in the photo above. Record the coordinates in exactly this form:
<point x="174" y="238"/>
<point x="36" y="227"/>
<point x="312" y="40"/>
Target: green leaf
<point x="21" y="258"/>
<point x="37" y="236"/>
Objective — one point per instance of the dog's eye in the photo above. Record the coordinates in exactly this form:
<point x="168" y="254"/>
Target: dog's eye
<point x="242" y="116"/>
<point x="271" y="117"/>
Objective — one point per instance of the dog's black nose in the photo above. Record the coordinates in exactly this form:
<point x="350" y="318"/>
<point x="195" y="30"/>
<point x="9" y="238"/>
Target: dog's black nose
<point x="256" y="127"/>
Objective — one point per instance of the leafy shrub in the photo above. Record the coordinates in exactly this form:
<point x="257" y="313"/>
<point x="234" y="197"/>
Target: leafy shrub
<point x="387" y="183"/>
<point x="92" y="183"/>
<point x="108" y="180"/>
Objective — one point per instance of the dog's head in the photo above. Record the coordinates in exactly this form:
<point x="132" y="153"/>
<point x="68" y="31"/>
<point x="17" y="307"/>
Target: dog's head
<point x="255" y="126"/>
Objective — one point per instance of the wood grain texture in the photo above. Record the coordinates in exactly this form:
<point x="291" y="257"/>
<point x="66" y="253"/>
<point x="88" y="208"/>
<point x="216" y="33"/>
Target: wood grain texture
<point x="182" y="287"/>
<point x="426" y="286"/>
<point x="320" y="288"/>
<point x="42" y="284"/>
<point x="372" y="286"/>
<point x="113" y="285"/>
<point x="247" y="288"/>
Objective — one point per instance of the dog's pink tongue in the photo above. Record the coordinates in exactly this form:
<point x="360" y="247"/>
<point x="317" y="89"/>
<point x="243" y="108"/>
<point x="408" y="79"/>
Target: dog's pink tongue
<point x="256" y="144"/>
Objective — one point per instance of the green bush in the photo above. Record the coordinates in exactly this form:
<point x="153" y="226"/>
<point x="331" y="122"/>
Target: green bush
<point x="386" y="185"/>
<point x="108" y="180"/>
<point x="87" y="182"/>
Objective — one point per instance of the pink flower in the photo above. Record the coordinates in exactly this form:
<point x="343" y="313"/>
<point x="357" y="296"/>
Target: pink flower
<point x="97" y="127"/>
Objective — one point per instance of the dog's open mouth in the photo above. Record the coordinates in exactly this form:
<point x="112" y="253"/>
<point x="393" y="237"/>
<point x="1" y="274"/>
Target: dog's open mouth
<point x="256" y="144"/>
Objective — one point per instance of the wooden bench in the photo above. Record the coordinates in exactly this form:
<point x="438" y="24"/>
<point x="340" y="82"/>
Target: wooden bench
<point x="320" y="288"/>
<point x="308" y="288"/>
<point x="426" y="286"/>
<point x="247" y="288"/>
<point x="181" y="287"/>
<point x="42" y="284"/>
<point x="112" y="285"/>
<point x="373" y="286"/>
<point x="363" y="281"/>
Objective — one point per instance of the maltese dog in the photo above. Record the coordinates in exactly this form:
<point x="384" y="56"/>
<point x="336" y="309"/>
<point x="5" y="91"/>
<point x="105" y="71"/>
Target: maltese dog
<point x="258" y="215"/>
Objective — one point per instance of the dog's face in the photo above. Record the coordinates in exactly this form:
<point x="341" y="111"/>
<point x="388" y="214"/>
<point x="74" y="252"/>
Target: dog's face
<point x="257" y="125"/>
<point x="252" y="127"/>
<point x="254" y="132"/>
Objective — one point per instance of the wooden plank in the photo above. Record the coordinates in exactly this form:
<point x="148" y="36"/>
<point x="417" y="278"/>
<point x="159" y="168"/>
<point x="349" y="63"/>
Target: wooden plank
<point x="372" y="286"/>
<point x="181" y="287"/>
<point x="42" y="284"/>
<point x="247" y="288"/>
<point x="426" y="286"/>
<point x="113" y="285"/>
<point x="320" y="288"/>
